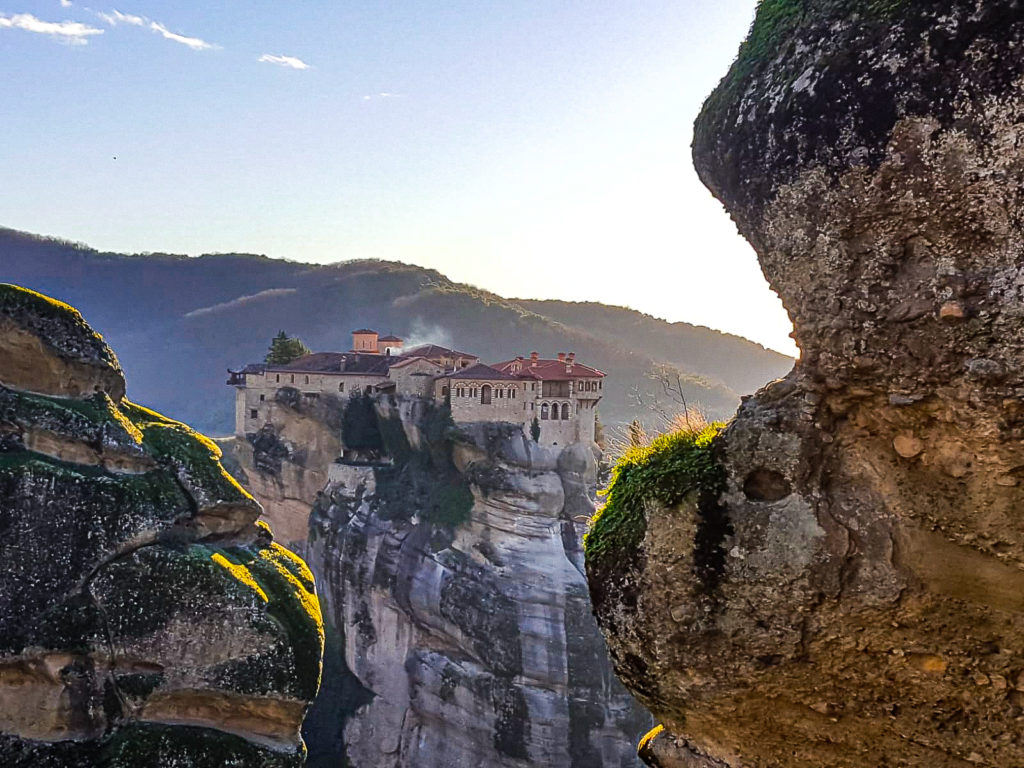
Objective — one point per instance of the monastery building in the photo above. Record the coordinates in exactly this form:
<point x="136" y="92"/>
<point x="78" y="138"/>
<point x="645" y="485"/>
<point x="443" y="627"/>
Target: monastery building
<point x="561" y="394"/>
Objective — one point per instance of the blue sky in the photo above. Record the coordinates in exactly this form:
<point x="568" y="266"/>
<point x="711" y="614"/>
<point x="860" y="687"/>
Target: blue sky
<point x="532" y="148"/>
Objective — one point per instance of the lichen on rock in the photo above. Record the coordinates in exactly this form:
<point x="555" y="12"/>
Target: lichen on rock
<point x="867" y="611"/>
<point x="145" y="616"/>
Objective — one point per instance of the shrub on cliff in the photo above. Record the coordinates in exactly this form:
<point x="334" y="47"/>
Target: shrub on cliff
<point x="359" y="425"/>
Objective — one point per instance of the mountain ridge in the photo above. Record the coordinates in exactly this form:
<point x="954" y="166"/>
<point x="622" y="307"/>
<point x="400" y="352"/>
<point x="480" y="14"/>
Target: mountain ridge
<point x="204" y="314"/>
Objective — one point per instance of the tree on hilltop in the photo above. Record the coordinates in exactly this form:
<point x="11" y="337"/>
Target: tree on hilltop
<point x="284" y="349"/>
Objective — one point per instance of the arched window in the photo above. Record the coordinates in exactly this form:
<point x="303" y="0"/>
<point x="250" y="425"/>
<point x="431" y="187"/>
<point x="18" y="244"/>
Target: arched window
<point x="544" y="410"/>
<point x="565" y="410"/>
<point x="485" y="394"/>
<point x="513" y="394"/>
<point x="341" y="387"/>
<point x="554" y="411"/>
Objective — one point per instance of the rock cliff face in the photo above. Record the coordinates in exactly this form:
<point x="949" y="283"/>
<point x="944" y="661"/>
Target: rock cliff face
<point x="285" y="463"/>
<point x="455" y="576"/>
<point x="146" y="617"/>
<point x="459" y="629"/>
<point x="854" y="596"/>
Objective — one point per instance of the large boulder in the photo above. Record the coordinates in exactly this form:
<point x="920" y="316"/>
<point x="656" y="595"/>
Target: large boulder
<point x="855" y="594"/>
<point x="146" y="617"/>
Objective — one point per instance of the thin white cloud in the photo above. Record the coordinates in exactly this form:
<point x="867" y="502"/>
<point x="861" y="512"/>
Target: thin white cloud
<point x="283" y="61"/>
<point x="72" y="32"/>
<point x="66" y="3"/>
<point x="115" y="17"/>
<point x="381" y="96"/>
<point x="194" y="43"/>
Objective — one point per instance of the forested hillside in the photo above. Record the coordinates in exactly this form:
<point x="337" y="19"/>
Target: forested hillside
<point x="179" y="323"/>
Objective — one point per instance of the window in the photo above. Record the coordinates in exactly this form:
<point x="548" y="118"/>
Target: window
<point x="263" y="398"/>
<point x="533" y="387"/>
<point x="444" y="391"/>
<point x="254" y="414"/>
<point x="279" y="378"/>
<point x="544" y="410"/>
<point x="307" y="379"/>
<point x="341" y="387"/>
<point x="513" y="394"/>
<point x="293" y="378"/>
<point x="485" y="394"/>
<point x="565" y="411"/>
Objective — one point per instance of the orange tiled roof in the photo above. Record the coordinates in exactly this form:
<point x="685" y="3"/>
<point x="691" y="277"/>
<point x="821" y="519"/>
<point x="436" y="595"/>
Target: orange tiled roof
<point x="550" y="370"/>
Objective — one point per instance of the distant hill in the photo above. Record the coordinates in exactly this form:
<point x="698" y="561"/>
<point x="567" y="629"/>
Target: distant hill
<point x="179" y="323"/>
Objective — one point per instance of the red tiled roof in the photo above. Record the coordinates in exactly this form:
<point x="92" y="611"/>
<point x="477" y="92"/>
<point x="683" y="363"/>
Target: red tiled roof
<point x="550" y="370"/>
<point x="390" y="338"/>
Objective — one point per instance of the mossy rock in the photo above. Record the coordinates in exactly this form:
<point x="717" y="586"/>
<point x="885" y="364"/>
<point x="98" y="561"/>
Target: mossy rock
<point x="822" y="83"/>
<point x="34" y="327"/>
<point x="135" y="561"/>
<point x="665" y="472"/>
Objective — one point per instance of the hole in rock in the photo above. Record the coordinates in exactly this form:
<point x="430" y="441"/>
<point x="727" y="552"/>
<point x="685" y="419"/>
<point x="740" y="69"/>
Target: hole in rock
<point x="766" y="485"/>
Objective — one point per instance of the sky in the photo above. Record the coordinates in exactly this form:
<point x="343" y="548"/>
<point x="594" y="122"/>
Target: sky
<point x="534" y="148"/>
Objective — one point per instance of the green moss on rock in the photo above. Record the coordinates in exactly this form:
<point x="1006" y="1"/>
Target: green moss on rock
<point x="665" y="472"/>
<point x="194" y="453"/>
<point x="292" y="601"/>
<point x="57" y="324"/>
<point x="102" y="506"/>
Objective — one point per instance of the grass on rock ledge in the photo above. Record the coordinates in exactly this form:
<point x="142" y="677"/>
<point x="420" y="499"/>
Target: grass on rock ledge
<point x="665" y="471"/>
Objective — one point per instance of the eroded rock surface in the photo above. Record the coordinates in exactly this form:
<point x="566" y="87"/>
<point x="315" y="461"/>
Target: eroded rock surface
<point x="146" y="617"/>
<point x="867" y="605"/>
<point x="454" y="595"/>
<point x="284" y="464"/>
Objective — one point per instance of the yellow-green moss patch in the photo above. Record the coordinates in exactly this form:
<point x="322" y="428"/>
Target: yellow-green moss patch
<point x="665" y="471"/>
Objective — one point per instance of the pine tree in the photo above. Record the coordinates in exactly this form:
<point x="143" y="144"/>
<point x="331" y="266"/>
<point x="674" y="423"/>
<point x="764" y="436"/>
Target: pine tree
<point x="284" y="349"/>
<point x="535" y="430"/>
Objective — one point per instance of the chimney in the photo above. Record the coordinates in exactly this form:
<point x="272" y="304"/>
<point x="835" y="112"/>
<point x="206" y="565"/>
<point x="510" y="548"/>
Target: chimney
<point x="561" y="357"/>
<point x="572" y="357"/>
<point x="533" y="358"/>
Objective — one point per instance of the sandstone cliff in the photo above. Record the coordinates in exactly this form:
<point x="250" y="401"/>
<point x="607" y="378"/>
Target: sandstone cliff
<point x="851" y="594"/>
<point x="146" y="617"/>
<point x="459" y="629"/>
